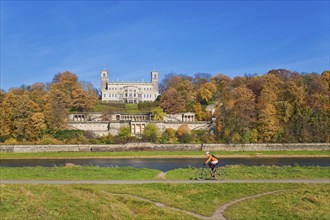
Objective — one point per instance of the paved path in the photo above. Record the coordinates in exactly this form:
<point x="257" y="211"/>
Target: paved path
<point x="66" y="182"/>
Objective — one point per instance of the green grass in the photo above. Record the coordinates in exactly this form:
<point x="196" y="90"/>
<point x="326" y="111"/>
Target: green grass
<point x="109" y="107"/>
<point x="129" y="173"/>
<point x="259" y="172"/>
<point x="74" y="202"/>
<point x="307" y="202"/>
<point x="201" y="154"/>
<point x="297" y="201"/>
<point x="131" y="107"/>
<point x="77" y="173"/>
<point x="198" y="198"/>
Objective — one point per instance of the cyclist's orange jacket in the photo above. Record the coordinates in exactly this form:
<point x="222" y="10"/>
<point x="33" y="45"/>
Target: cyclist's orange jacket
<point x="210" y="157"/>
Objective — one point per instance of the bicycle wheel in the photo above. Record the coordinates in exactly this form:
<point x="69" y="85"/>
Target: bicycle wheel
<point x="219" y="174"/>
<point x="201" y="174"/>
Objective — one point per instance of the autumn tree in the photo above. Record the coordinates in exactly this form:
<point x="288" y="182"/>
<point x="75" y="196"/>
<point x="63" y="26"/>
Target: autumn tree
<point x="55" y="111"/>
<point x="268" y="123"/>
<point x="22" y="118"/>
<point x="75" y="97"/>
<point x="206" y="91"/>
<point x="172" y="101"/>
<point x="37" y="93"/>
<point x="199" y="113"/>
<point x="184" y="134"/>
<point x="184" y="91"/>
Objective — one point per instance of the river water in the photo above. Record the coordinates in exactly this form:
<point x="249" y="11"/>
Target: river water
<point x="166" y="164"/>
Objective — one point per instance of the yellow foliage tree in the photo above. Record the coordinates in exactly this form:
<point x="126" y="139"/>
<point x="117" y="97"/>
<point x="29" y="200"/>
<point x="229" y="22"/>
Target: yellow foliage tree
<point x="206" y="91"/>
<point x="183" y="129"/>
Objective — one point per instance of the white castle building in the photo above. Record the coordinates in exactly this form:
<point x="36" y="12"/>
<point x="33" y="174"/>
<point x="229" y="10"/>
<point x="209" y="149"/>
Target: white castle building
<point x="129" y="92"/>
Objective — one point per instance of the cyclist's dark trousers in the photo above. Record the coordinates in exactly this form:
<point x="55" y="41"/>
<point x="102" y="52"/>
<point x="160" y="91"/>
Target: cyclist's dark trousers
<point x="212" y="166"/>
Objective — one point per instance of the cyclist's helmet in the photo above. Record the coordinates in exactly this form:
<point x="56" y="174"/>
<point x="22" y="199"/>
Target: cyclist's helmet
<point x="207" y="153"/>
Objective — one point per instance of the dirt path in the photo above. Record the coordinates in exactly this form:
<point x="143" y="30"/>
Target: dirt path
<point x="217" y="215"/>
<point x="157" y="204"/>
<point x="66" y="182"/>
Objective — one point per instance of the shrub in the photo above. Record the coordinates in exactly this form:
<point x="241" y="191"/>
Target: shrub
<point x="68" y="134"/>
<point x="169" y="136"/>
<point x="184" y="128"/>
<point x="185" y="138"/>
<point x="150" y="133"/>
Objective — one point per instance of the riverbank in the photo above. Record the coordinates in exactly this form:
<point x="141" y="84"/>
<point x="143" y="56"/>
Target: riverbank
<point x="165" y="154"/>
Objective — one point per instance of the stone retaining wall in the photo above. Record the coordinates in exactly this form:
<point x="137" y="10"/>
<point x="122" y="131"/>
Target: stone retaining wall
<point x="163" y="147"/>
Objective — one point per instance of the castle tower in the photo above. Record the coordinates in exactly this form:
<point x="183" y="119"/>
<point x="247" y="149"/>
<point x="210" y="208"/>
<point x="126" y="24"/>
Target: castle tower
<point x="104" y="80"/>
<point x="154" y="81"/>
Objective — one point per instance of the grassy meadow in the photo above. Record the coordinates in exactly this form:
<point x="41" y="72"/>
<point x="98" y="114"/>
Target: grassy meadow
<point x="304" y="202"/>
<point x="130" y="173"/>
<point x="296" y="201"/>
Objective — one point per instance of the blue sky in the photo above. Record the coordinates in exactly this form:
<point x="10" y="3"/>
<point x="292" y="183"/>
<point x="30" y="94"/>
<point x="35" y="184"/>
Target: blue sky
<point x="42" y="38"/>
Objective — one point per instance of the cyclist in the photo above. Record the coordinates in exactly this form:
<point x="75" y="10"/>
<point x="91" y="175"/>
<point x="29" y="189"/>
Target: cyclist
<point x="212" y="161"/>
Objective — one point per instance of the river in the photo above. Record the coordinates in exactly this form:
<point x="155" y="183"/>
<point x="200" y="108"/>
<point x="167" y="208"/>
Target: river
<point x="166" y="164"/>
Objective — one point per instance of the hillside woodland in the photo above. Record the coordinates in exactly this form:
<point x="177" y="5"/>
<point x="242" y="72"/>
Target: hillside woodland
<point x="279" y="106"/>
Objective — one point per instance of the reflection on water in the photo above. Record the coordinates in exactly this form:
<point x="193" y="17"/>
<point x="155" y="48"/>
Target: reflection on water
<point x="166" y="164"/>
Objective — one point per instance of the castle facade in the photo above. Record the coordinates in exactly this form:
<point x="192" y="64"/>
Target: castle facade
<point x="111" y="124"/>
<point x="129" y="92"/>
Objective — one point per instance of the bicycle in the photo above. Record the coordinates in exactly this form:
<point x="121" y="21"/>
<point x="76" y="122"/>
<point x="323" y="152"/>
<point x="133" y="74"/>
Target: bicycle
<point x="206" y="172"/>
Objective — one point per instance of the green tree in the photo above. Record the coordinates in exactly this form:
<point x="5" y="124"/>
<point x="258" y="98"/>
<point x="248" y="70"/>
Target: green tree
<point x="169" y="135"/>
<point x="151" y="133"/>
<point x="124" y="133"/>
<point x="158" y="114"/>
